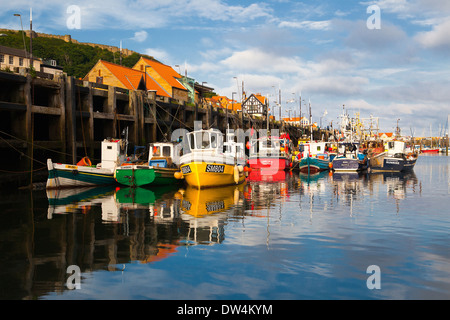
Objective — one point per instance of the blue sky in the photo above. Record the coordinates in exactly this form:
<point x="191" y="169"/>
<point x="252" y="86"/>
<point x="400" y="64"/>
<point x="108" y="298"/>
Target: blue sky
<point x="321" y="49"/>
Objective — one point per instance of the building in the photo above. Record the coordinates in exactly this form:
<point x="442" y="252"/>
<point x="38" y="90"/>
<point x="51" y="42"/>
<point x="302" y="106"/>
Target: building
<point x="112" y="74"/>
<point x="165" y="76"/>
<point x="17" y="59"/>
<point x="297" y="121"/>
<point x="256" y="104"/>
<point x="386" y="136"/>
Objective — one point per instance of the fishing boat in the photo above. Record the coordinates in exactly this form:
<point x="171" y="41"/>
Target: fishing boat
<point x="313" y="157"/>
<point x="349" y="158"/>
<point x="211" y="162"/>
<point x="159" y="170"/>
<point x="270" y="153"/>
<point x="394" y="159"/>
<point x="113" y="154"/>
<point x="430" y="150"/>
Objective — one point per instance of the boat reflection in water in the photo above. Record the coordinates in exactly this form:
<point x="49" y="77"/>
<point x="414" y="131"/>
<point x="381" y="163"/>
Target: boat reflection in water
<point x="352" y="192"/>
<point x="206" y="211"/>
<point x="80" y="199"/>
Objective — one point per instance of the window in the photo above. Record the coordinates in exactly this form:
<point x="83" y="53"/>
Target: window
<point x="21" y="62"/>
<point x="156" y="152"/>
<point x="214" y="140"/>
<point x="11" y="60"/>
<point x="2" y="58"/>
<point x="166" y="151"/>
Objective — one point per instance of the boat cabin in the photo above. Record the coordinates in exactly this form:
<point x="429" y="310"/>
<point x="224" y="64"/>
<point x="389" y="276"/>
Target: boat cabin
<point x="269" y="146"/>
<point x="212" y="141"/>
<point x="314" y="149"/>
<point x="113" y="153"/>
<point x="395" y="147"/>
<point x="205" y="140"/>
<point x="162" y="154"/>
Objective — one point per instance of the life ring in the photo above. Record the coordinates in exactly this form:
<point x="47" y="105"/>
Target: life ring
<point x="84" y="162"/>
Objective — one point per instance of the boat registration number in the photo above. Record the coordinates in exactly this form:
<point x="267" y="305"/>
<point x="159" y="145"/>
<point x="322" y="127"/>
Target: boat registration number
<point x="215" y="168"/>
<point x="186" y="169"/>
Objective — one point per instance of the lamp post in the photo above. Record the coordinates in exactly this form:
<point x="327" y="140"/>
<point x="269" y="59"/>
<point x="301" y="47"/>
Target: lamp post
<point x="31" y="38"/>
<point x="23" y="34"/>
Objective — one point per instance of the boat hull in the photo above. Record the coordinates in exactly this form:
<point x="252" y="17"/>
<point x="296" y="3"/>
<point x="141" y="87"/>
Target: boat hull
<point x="313" y="165"/>
<point x="210" y="174"/>
<point x="137" y="176"/>
<point x="394" y="165"/>
<point x="269" y="163"/>
<point x="430" y="151"/>
<point x="66" y="175"/>
<point x="345" y="164"/>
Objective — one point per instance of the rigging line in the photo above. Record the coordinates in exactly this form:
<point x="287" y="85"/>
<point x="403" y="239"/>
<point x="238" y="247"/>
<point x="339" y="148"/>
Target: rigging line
<point x="35" y="145"/>
<point x="21" y="172"/>
<point x="162" y="108"/>
<point x="156" y="120"/>
<point x="22" y="154"/>
<point x="81" y="120"/>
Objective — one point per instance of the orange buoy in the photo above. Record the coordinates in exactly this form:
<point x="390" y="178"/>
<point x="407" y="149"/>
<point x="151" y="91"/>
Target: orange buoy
<point x="84" y="162"/>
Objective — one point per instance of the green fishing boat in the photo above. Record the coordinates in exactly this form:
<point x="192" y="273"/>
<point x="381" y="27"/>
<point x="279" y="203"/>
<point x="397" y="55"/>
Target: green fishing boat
<point x="160" y="169"/>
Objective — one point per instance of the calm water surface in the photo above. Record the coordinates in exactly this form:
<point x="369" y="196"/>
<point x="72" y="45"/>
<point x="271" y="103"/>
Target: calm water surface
<point x="283" y="237"/>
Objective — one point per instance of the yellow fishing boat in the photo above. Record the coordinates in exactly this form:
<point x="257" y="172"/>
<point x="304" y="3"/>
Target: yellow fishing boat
<point x="211" y="162"/>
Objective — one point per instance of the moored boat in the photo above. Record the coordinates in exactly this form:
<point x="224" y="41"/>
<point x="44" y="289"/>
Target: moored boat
<point x="348" y="158"/>
<point x="159" y="170"/>
<point x="430" y="150"/>
<point x="395" y="159"/>
<point x="270" y="153"/>
<point x="211" y="162"/>
<point x="84" y="174"/>
<point x="313" y="157"/>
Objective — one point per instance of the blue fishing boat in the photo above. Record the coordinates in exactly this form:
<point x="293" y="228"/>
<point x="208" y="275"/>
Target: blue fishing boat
<point x="314" y="157"/>
<point x="348" y="158"/>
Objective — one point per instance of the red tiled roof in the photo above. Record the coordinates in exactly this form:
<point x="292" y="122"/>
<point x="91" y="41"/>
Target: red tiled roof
<point x="131" y="78"/>
<point x="167" y="72"/>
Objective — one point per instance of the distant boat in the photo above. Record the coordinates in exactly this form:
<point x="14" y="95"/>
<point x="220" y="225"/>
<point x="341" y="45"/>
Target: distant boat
<point x="395" y="159"/>
<point x="429" y="150"/>
<point x="211" y="162"/>
<point x="159" y="170"/>
<point x="84" y="174"/>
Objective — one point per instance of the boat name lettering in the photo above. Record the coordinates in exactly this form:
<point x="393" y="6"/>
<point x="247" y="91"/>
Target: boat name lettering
<point x="215" y="168"/>
<point x="186" y="169"/>
<point x="186" y="205"/>
<point x="71" y="167"/>
<point x="392" y="161"/>
<point x="215" y="206"/>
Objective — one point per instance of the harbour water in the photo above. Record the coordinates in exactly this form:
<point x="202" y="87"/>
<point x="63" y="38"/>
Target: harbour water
<point x="286" y="237"/>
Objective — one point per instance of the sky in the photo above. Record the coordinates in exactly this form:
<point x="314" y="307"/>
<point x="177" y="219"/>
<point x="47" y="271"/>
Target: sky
<point x="386" y="59"/>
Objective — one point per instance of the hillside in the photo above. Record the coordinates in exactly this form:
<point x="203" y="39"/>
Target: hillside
<point x="76" y="59"/>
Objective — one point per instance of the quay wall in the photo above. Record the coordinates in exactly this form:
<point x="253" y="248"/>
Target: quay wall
<point x="66" y="119"/>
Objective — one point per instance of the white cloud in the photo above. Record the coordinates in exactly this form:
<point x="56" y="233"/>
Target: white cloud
<point x="437" y="37"/>
<point x="159" y="54"/>
<point x="257" y="60"/>
<point x="140" y="36"/>
<point x="311" y="25"/>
